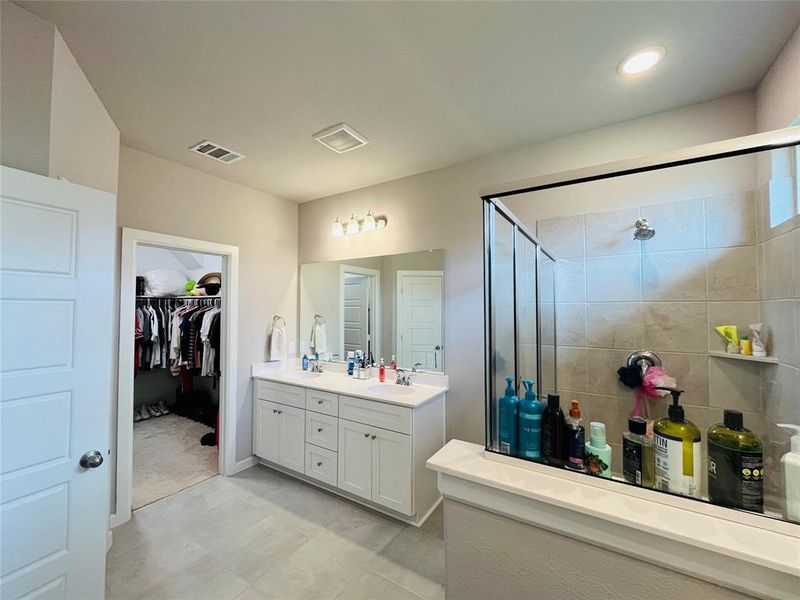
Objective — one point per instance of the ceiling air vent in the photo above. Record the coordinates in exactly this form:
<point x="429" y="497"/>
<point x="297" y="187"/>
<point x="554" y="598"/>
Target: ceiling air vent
<point x="340" y="138"/>
<point x="217" y="152"/>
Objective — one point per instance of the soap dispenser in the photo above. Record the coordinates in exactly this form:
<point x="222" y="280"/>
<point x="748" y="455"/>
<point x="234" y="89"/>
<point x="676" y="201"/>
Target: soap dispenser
<point x="735" y="464"/>
<point x="677" y="450"/>
<point x="508" y="416"/>
<point x="530" y="424"/>
<point x="790" y="465"/>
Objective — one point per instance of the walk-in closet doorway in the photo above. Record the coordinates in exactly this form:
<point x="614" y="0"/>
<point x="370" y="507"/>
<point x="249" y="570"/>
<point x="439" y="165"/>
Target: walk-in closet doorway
<point x="132" y="239"/>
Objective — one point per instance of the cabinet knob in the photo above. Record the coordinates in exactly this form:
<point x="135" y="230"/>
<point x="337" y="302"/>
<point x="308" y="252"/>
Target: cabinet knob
<point x="319" y="464"/>
<point x="319" y="429"/>
<point x="274" y="410"/>
<point x="366" y="435"/>
<point x="374" y="436"/>
<point x="319" y="401"/>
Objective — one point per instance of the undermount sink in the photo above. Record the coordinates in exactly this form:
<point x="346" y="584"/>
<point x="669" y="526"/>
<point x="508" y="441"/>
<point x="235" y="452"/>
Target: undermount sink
<point x="301" y="375"/>
<point x="390" y="389"/>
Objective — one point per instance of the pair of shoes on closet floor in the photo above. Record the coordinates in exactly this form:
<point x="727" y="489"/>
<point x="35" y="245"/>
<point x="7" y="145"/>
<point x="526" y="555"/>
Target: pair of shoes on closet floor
<point x="141" y="413"/>
<point x="145" y="412"/>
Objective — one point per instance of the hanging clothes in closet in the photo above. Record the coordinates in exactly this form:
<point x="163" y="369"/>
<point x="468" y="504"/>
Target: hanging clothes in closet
<point x="179" y="334"/>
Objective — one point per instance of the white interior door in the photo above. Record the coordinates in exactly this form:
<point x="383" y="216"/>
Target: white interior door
<point x="419" y="316"/>
<point x="356" y="312"/>
<point x="56" y="296"/>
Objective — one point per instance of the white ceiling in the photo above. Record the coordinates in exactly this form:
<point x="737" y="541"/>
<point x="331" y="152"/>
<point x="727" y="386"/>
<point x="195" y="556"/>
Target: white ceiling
<point x="430" y="84"/>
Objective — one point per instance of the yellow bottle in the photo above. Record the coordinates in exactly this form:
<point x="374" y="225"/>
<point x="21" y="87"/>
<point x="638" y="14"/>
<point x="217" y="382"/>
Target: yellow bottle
<point x="677" y="451"/>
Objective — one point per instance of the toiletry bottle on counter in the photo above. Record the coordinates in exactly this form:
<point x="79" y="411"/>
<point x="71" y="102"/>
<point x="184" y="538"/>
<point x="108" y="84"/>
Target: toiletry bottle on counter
<point x="597" y="451"/>
<point x="351" y="362"/>
<point x="305" y="362"/>
<point x="393" y="364"/>
<point x="530" y="424"/>
<point x="553" y="424"/>
<point x="735" y="464"/>
<point x="677" y="450"/>
<point x="382" y="372"/>
<point x="790" y="465"/>
<point x="508" y="416"/>
<point x="638" y="458"/>
<point x="576" y="438"/>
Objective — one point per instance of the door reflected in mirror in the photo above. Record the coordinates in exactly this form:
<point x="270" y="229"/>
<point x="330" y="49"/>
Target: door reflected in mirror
<point x="384" y="306"/>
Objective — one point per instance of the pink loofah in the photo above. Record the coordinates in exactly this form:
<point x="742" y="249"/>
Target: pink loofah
<point x="657" y="377"/>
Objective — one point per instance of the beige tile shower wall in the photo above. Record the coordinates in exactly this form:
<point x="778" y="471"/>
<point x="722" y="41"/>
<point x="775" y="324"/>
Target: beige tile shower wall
<point x="616" y="295"/>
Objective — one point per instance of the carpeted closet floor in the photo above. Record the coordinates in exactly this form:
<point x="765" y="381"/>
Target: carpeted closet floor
<point x="168" y="457"/>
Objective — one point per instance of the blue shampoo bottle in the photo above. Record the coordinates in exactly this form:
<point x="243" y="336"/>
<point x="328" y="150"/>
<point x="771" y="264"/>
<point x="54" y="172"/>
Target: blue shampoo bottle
<point x="509" y="417"/>
<point x="530" y="424"/>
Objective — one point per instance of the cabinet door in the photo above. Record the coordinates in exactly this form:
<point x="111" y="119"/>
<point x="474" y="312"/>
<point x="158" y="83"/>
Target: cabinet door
<point x="293" y="442"/>
<point x="391" y="470"/>
<point x="355" y="458"/>
<point x="267" y="431"/>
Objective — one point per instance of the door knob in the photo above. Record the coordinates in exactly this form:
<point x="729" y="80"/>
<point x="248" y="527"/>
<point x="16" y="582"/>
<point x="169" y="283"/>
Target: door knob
<point x="319" y="429"/>
<point x="366" y="435"/>
<point x="374" y="436"/>
<point x="319" y="464"/>
<point x="91" y="460"/>
<point x="438" y="348"/>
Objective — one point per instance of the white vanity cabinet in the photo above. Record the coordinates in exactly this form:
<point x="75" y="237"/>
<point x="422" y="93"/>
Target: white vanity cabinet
<point x="369" y="450"/>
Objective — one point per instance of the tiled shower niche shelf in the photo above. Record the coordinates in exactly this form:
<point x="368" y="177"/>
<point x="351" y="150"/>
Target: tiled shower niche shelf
<point x="772" y="360"/>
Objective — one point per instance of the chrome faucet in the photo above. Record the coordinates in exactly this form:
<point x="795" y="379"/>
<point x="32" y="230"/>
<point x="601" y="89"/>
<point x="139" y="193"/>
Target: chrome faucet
<point x="332" y="356"/>
<point x="403" y="378"/>
<point x="316" y="366"/>
<point x="414" y="370"/>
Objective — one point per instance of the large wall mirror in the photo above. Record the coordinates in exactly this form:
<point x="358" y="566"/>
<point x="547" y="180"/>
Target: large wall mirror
<point x="385" y="306"/>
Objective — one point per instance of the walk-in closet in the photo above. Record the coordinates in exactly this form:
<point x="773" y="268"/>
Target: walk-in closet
<point x="177" y="368"/>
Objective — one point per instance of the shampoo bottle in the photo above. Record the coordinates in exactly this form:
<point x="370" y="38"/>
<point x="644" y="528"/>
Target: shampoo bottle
<point x="598" y="452"/>
<point x="677" y="451"/>
<point x="735" y="464"/>
<point x="393" y="364"/>
<point x="638" y="460"/>
<point x="530" y="424"/>
<point x="553" y="432"/>
<point x="509" y="415"/>
<point x="576" y="438"/>
<point x="351" y="362"/>
<point x="790" y="465"/>
<point x="305" y="362"/>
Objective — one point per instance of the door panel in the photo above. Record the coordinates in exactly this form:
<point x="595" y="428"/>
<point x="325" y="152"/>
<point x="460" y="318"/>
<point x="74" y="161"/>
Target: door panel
<point x="268" y="431"/>
<point x="356" y="312"/>
<point x="293" y="431"/>
<point x="420" y="316"/>
<point x="355" y="459"/>
<point x="391" y="470"/>
<point x="57" y="289"/>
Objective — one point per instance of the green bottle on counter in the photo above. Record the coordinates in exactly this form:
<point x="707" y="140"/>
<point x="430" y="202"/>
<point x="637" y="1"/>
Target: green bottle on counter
<point x="735" y="464"/>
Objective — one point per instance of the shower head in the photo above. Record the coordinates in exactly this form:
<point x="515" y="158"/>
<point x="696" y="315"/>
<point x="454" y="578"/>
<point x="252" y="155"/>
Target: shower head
<point x="643" y="230"/>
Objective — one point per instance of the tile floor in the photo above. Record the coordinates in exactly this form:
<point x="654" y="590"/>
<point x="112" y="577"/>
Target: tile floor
<point x="261" y="535"/>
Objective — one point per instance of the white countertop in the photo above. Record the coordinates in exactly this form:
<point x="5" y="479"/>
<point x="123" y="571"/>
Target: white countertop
<point x="743" y="551"/>
<point x="338" y="382"/>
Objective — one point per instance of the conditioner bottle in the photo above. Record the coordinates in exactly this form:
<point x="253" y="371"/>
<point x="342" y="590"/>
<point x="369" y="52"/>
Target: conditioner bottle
<point x="530" y="424"/>
<point x="508" y="416"/>
<point x="677" y="451"/>
<point x="553" y="446"/>
<point x="735" y="464"/>
<point x="598" y="452"/>
<point x="790" y="465"/>
<point x="638" y="459"/>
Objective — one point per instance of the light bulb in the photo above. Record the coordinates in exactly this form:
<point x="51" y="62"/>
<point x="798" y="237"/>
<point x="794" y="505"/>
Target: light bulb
<point x="352" y="226"/>
<point x="338" y="229"/>
<point x="641" y="61"/>
<point x="369" y="222"/>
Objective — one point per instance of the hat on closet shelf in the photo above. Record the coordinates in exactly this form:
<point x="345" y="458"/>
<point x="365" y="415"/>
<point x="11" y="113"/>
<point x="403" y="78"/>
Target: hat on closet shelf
<point x="211" y="283"/>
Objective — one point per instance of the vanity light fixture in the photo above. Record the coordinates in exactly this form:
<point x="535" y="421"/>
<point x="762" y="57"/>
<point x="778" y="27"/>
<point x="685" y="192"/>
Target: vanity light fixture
<point x="338" y="228"/>
<point x="641" y="61"/>
<point x="369" y="222"/>
<point x="352" y="226"/>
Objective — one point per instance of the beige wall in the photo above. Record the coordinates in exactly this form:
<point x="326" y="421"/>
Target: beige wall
<point x="442" y="209"/>
<point x="84" y="142"/>
<point x="162" y="196"/>
<point x="52" y="121"/>
<point x="26" y="80"/>
<point x="778" y="95"/>
<point x="489" y="556"/>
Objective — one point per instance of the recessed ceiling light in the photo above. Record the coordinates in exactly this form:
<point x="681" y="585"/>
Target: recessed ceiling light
<point x="641" y="61"/>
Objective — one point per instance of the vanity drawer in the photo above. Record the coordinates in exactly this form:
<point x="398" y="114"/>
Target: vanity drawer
<point x="321" y="464"/>
<point x="322" y="430"/>
<point x="386" y="416"/>
<point x="322" y="402"/>
<point x="291" y="395"/>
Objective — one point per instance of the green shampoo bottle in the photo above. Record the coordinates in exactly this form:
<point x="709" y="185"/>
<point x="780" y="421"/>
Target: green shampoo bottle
<point x="677" y="451"/>
<point x="735" y="464"/>
<point x="508" y="415"/>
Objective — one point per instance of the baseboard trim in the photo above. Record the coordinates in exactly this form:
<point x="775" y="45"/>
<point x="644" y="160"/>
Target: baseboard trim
<point x="241" y="465"/>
